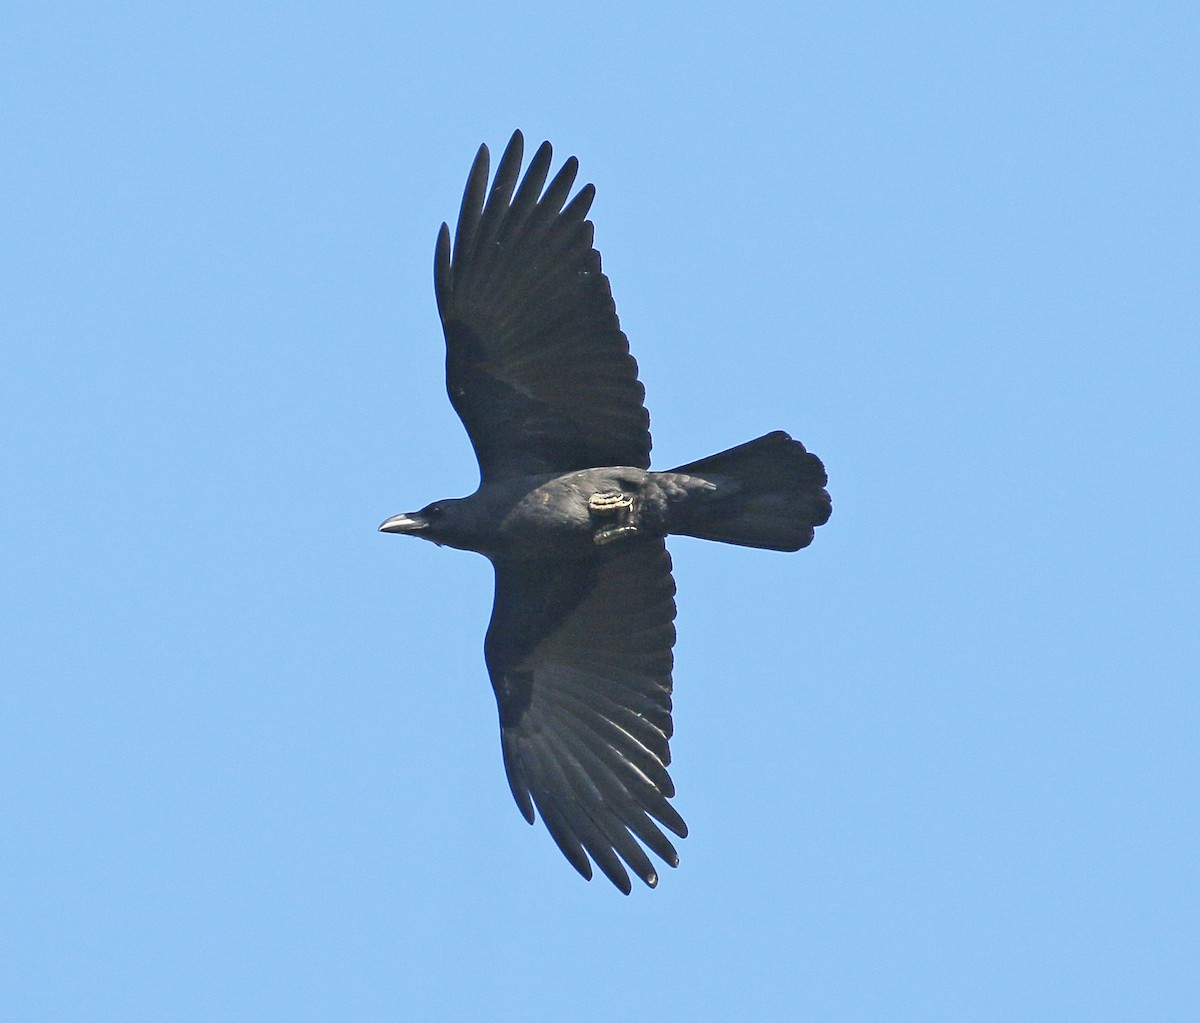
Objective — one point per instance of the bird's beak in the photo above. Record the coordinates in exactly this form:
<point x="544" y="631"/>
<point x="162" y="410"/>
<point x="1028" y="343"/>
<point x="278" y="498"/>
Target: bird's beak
<point x="413" y="523"/>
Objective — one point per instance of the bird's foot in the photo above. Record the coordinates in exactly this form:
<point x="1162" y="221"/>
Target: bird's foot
<point x="613" y="533"/>
<point x="613" y="504"/>
<point x="609" y="502"/>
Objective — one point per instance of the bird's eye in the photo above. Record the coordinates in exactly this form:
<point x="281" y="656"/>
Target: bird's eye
<point x="432" y="511"/>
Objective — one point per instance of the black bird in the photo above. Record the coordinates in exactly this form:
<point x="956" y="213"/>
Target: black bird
<point x="573" y="521"/>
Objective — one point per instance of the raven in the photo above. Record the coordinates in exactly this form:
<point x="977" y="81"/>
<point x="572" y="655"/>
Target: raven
<point x="571" y="518"/>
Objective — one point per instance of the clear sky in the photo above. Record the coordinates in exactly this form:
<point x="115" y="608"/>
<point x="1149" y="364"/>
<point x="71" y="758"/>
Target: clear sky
<point x="942" y="765"/>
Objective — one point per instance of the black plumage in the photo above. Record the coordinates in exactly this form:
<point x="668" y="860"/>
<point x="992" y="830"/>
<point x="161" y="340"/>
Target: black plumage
<point x="579" y="645"/>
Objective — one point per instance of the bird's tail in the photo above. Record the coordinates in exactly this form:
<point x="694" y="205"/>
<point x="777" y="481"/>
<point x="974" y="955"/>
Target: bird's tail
<point x="768" y="492"/>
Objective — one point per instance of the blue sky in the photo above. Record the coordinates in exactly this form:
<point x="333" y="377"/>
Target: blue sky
<point x="942" y="765"/>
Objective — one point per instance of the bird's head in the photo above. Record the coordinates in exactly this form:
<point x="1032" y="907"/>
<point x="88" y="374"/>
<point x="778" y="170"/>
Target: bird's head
<point x="437" y="522"/>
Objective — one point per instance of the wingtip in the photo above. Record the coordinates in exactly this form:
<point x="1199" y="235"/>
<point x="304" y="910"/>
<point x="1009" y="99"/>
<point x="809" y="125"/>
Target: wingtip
<point x="441" y="267"/>
<point x="578" y="208"/>
<point x="618" y="877"/>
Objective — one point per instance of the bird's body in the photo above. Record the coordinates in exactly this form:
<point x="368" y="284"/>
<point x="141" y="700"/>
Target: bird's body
<point x="568" y="515"/>
<point x="548" y="515"/>
<point x="573" y="519"/>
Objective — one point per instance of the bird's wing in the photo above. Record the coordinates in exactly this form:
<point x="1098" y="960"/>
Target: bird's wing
<point x="537" y="366"/>
<point x="579" y="654"/>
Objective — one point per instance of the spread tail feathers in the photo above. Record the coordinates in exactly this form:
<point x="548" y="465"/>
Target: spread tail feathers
<point x="768" y="492"/>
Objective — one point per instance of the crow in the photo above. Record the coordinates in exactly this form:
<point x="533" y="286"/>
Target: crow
<point x="571" y="517"/>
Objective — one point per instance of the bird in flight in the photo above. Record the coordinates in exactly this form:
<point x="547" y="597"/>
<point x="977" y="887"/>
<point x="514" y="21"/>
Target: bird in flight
<point x="573" y="520"/>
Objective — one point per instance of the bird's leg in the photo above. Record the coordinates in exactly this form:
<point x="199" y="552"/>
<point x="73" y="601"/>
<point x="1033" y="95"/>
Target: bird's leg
<point x="617" y="505"/>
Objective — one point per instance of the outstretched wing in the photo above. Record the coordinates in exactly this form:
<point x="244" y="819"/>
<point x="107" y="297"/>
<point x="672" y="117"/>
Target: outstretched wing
<point x="579" y="654"/>
<point x="537" y="366"/>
